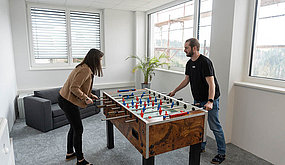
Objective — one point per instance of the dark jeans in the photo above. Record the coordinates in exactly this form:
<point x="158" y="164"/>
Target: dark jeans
<point x="74" y="137"/>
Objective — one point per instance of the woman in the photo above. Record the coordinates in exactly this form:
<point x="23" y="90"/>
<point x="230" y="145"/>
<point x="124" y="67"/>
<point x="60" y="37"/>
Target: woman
<point x="75" y="93"/>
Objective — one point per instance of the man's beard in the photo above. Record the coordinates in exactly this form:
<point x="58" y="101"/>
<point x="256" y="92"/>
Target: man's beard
<point x="190" y="54"/>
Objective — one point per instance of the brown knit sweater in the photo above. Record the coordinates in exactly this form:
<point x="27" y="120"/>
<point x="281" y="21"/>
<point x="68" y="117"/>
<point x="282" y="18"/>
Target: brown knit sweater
<point x="78" y="86"/>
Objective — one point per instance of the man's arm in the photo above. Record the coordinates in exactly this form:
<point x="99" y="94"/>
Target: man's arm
<point x="180" y="86"/>
<point x="211" y="83"/>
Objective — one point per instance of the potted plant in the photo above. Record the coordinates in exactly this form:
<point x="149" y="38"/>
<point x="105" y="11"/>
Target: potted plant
<point x="147" y="65"/>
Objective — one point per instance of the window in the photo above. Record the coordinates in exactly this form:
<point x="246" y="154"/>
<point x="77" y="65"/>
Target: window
<point x="268" y="48"/>
<point x="171" y="27"/>
<point x="62" y="37"/>
<point x="205" y="23"/>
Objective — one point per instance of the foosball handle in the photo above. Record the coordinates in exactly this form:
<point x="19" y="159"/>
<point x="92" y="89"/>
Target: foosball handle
<point x="178" y="114"/>
<point x="101" y="106"/>
<point x="199" y="106"/>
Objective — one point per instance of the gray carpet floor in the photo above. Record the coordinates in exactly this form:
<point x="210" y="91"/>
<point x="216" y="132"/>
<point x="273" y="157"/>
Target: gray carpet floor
<point x="34" y="147"/>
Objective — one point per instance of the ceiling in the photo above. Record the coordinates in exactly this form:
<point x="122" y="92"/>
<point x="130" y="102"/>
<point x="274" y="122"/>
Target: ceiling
<point x="131" y="5"/>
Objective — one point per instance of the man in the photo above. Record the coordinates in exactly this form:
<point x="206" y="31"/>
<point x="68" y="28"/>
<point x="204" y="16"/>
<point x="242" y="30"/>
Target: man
<point x="205" y="90"/>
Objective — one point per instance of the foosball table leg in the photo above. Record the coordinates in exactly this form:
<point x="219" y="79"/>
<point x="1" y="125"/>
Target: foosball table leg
<point x="110" y="134"/>
<point x="149" y="161"/>
<point x="194" y="154"/>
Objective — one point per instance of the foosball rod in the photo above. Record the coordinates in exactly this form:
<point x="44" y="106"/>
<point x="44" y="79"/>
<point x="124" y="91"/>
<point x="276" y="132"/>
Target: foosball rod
<point x="155" y="106"/>
<point x="128" y="92"/>
<point x="150" y="107"/>
<point x="164" y="109"/>
<point x="171" y="116"/>
<point x="159" y="98"/>
<point x="128" y="121"/>
<point x="164" y="101"/>
<point x="116" y="112"/>
<point x="138" y="94"/>
<point x="117" y="117"/>
<point x="143" y="91"/>
<point x="101" y="99"/>
<point x="141" y="107"/>
<point x="121" y="97"/>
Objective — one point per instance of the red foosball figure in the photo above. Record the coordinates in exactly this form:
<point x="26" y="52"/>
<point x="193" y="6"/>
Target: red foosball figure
<point x="142" y="114"/>
<point x="160" y="111"/>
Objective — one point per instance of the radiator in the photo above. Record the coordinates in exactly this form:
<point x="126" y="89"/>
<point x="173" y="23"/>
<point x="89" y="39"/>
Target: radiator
<point x="20" y="101"/>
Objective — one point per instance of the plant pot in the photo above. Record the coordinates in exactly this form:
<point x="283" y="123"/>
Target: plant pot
<point x="145" y="85"/>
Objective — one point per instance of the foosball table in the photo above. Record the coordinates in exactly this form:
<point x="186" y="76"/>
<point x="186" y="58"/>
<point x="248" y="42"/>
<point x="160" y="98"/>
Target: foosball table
<point x="154" y="123"/>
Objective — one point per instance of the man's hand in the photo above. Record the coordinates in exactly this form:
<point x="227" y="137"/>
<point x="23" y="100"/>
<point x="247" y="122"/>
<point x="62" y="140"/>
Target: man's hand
<point x="208" y="106"/>
<point x="172" y="93"/>
<point x="94" y="97"/>
<point x="88" y="100"/>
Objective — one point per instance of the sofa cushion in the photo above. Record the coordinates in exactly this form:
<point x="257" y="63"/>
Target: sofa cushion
<point x="56" y="110"/>
<point x="50" y="94"/>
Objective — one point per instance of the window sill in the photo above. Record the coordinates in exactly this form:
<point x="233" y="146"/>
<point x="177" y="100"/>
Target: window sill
<point x="54" y="68"/>
<point x="261" y="87"/>
<point x="51" y="68"/>
<point x="170" y="71"/>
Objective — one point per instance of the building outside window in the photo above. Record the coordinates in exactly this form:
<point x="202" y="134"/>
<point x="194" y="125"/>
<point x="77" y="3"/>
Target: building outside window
<point x="268" y="48"/>
<point x="62" y="37"/>
<point x="169" y="28"/>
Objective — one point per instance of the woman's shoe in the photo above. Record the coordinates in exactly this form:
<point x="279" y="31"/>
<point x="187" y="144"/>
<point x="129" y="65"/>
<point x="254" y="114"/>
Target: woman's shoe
<point x="83" y="162"/>
<point x="70" y="156"/>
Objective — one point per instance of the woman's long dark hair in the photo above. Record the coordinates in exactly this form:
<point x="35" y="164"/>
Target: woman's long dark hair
<point x="93" y="60"/>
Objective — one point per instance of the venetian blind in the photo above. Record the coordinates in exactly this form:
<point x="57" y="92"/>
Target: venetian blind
<point x="85" y="32"/>
<point x="49" y="33"/>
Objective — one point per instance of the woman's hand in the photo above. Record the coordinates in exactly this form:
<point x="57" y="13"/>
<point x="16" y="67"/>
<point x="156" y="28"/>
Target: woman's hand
<point x="88" y="100"/>
<point x="94" y="96"/>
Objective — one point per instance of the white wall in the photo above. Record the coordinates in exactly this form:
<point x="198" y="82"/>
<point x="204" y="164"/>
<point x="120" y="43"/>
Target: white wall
<point x="119" y="34"/>
<point x="8" y="87"/>
<point x="164" y="81"/>
<point x="258" y="124"/>
<point x="140" y="44"/>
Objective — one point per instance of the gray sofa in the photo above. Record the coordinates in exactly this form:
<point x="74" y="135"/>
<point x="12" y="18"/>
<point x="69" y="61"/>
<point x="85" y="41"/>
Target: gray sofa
<point x="43" y="113"/>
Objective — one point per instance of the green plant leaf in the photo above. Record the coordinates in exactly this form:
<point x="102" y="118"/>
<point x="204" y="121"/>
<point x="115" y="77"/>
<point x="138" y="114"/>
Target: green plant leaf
<point x="147" y="65"/>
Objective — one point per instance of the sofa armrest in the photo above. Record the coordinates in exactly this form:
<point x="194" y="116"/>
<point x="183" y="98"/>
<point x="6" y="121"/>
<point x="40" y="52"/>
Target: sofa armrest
<point x="38" y="113"/>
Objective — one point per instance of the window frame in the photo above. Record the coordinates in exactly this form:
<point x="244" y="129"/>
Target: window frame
<point x="69" y="64"/>
<point x="196" y="22"/>
<point x="254" y="13"/>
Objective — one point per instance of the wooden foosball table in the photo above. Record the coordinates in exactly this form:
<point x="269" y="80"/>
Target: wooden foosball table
<point x="154" y="123"/>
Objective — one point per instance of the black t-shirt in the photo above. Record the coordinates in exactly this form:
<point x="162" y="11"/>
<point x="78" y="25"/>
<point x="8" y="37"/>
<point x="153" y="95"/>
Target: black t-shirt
<point x="198" y="71"/>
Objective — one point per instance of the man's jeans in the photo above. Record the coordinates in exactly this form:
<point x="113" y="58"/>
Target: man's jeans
<point x="215" y="126"/>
